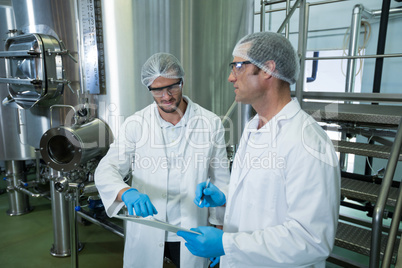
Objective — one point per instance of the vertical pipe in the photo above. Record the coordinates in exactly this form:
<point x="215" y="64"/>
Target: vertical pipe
<point x="287" y="24"/>
<point x="72" y="198"/>
<point x="262" y="18"/>
<point x="382" y="35"/>
<point x="351" y="63"/>
<point x="302" y="47"/>
<point x="390" y="169"/>
<point x="61" y="227"/>
<point x="393" y="233"/>
<point x="378" y="212"/>
<point x="353" y="47"/>
<point x="18" y="202"/>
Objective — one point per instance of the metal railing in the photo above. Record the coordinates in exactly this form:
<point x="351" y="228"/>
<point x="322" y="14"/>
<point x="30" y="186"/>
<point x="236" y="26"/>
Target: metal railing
<point x="358" y="13"/>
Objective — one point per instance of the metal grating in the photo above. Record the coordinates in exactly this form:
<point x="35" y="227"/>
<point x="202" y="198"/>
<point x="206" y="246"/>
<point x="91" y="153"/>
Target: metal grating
<point x="356" y="113"/>
<point x="366" y="191"/>
<point x="358" y="240"/>
<point x="364" y="149"/>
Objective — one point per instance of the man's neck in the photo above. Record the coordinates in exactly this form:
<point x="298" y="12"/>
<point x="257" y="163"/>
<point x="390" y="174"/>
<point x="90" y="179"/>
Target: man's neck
<point x="271" y="107"/>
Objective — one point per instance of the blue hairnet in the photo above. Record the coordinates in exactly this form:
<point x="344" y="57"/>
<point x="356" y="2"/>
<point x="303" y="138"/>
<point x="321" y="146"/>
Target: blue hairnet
<point x="161" y="64"/>
<point x="258" y="48"/>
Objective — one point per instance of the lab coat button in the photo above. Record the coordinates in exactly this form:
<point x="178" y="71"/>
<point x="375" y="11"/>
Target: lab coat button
<point x="164" y="195"/>
<point x="161" y="244"/>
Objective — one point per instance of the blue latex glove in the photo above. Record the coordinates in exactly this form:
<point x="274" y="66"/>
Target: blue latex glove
<point x="214" y="261"/>
<point x="213" y="197"/>
<point x="139" y="202"/>
<point x="208" y="244"/>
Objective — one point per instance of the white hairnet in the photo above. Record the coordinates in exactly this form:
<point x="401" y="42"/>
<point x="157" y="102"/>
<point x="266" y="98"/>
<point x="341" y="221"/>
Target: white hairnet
<point x="161" y="64"/>
<point x="258" y="48"/>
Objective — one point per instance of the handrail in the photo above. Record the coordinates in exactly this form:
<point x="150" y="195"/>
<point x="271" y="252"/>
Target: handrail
<point x="396" y="147"/>
<point x="352" y="96"/>
<point x="292" y="10"/>
<point x="394" y="55"/>
<point x="380" y="205"/>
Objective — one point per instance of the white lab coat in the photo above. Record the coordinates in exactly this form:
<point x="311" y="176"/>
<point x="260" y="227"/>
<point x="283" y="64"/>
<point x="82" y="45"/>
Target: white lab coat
<point x="284" y="194"/>
<point x="202" y="155"/>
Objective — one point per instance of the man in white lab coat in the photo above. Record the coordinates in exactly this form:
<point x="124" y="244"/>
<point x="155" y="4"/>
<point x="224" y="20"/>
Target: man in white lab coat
<point x="170" y="147"/>
<point x="283" y="201"/>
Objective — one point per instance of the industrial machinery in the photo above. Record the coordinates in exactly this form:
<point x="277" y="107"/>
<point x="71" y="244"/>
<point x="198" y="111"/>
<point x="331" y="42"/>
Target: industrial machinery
<point x="70" y="75"/>
<point x="367" y="124"/>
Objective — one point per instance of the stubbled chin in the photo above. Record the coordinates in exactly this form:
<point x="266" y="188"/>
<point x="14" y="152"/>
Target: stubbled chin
<point x="168" y="108"/>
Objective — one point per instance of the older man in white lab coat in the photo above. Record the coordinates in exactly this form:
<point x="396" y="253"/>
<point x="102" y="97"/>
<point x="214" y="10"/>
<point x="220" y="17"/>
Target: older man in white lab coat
<point x="283" y="201"/>
<point x="172" y="145"/>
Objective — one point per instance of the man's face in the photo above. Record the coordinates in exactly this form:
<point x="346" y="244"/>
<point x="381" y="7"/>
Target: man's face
<point x="246" y="81"/>
<point x="168" y="96"/>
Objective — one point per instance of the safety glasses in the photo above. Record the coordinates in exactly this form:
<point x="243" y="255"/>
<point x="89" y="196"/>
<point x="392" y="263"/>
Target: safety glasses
<point x="171" y="89"/>
<point x="236" y="66"/>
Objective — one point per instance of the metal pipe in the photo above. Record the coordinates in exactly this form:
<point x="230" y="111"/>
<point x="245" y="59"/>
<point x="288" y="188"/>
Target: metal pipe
<point x="314" y="69"/>
<point x="287" y="14"/>
<point x="364" y="97"/>
<point x="382" y="199"/>
<point x="109" y="226"/>
<point x="356" y="57"/>
<point x="379" y="61"/>
<point x="62" y="106"/>
<point x="229" y="113"/>
<point x="73" y="197"/>
<point x="392" y="12"/>
<point x="292" y="10"/>
<point x="389" y="249"/>
<point x="90" y="189"/>
<point x="353" y="47"/>
<point x="311" y="4"/>
<point x="302" y="47"/>
<point x="18" y="201"/>
<point x="27" y="192"/>
<point x="262" y="17"/>
<point x="382" y="36"/>
<point x="60" y="218"/>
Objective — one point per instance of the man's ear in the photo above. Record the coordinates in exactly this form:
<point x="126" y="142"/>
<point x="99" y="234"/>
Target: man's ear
<point x="271" y="67"/>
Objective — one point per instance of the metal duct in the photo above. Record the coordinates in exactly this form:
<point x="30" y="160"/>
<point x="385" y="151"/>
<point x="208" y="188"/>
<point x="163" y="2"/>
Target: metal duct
<point x="66" y="148"/>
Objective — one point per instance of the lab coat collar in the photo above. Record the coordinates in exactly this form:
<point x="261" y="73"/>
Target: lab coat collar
<point x="287" y="112"/>
<point x="273" y="127"/>
<point x="190" y="112"/>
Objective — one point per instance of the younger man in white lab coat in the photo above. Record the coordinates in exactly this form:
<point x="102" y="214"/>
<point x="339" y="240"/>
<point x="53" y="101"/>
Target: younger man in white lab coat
<point x="175" y="144"/>
<point x="283" y="201"/>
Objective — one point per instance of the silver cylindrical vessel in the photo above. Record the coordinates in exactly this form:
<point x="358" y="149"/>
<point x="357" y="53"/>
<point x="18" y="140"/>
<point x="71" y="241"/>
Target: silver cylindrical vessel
<point x="18" y="202"/>
<point x="13" y="123"/>
<point x="61" y="223"/>
<point x="66" y="148"/>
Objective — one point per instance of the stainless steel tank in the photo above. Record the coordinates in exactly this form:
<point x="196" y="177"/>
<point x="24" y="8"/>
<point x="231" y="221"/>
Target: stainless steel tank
<point x="13" y="125"/>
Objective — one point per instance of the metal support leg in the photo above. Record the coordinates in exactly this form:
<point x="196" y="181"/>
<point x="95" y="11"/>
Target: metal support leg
<point x="19" y="202"/>
<point x="72" y="198"/>
<point x="61" y="227"/>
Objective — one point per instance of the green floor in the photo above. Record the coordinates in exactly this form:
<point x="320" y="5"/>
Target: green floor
<point x="25" y="240"/>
